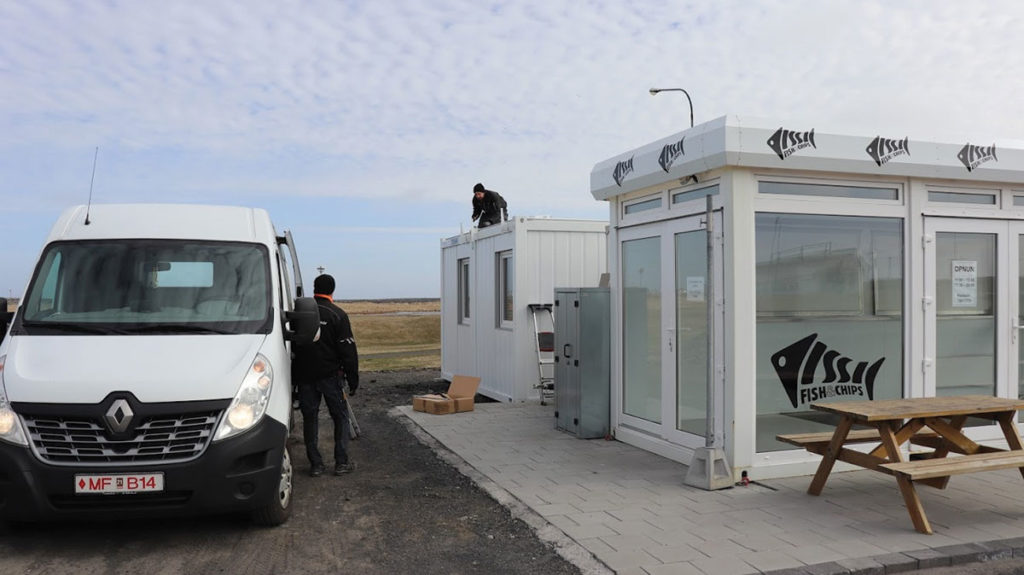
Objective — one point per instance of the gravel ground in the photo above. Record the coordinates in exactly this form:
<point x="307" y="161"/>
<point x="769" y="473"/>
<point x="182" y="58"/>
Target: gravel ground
<point x="412" y="512"/>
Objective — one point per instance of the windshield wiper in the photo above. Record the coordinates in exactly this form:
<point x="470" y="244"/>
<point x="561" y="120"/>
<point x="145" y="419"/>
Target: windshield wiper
<point x="72" y="327"/>
<point x="177" y="328"/>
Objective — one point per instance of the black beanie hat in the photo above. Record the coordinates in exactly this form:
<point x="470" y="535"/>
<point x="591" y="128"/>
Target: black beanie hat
<point x="478" y="188"/>
<point x="323" y="285"/>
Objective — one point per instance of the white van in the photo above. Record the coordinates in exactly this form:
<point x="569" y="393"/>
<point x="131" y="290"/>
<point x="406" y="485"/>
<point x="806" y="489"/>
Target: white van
<point x="147" y="370"/>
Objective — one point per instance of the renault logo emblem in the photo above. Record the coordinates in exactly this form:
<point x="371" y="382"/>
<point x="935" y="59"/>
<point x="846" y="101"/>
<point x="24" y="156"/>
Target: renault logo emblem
<point x="119" y="416"/>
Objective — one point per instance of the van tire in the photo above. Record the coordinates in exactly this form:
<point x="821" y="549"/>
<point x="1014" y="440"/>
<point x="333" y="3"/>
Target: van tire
<point x="277" y="511"/>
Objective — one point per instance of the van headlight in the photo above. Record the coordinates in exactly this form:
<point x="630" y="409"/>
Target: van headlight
<point x="10" y="423"/>
<point x="250" y="402"/>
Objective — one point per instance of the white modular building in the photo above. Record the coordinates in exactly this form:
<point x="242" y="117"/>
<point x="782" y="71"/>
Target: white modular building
<point x="489" y="280"/>
<point x="846" y="264"/>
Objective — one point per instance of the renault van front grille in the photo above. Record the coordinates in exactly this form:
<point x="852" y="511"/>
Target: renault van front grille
<point x="163" y="438"/>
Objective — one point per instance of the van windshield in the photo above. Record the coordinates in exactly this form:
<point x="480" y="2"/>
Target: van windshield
<point x="118" y="287"/>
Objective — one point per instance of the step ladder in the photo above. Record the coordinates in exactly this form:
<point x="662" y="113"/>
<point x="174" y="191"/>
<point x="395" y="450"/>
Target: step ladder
<point x="544" y="342"/>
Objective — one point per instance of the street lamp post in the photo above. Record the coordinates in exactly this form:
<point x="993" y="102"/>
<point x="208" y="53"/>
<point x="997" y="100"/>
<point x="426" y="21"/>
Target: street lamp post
<point x="656" y="90"/>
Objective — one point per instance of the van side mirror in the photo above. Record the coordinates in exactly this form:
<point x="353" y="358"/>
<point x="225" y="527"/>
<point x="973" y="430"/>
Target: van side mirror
<point x="303" y="321"/>
<point x="5" y="318"/>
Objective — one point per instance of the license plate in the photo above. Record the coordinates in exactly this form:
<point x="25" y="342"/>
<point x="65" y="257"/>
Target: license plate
<point x="119" y="484"/>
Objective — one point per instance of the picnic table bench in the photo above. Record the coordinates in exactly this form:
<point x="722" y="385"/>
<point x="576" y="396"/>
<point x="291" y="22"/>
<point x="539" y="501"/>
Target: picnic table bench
<point x="934" y="422"/>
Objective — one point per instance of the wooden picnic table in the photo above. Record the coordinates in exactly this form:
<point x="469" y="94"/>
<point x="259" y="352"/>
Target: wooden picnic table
<point x="934" y="422"/>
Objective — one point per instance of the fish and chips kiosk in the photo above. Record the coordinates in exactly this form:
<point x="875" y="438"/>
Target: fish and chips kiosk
<point x="843" y="264"/>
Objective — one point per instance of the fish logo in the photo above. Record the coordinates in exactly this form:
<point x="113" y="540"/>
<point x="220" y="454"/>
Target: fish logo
<point x="973" y="156"/>
<point x="797" y="365"/>
<point x="670" y="153"/>
<point x="785" y="142"/>
<point x="621" y="170"/>
<point x="882" y="149"/>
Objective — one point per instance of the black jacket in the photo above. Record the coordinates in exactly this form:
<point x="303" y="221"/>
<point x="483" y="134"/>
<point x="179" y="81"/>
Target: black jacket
<point x="334" y="352"/>
<point x="492" y="206"/>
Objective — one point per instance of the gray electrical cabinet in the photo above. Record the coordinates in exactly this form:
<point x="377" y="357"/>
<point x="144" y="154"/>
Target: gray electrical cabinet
<point x="582" y="367"/>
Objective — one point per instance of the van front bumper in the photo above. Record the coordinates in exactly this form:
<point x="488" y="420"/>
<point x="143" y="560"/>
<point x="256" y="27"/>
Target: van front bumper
<point x="234" y="475"/>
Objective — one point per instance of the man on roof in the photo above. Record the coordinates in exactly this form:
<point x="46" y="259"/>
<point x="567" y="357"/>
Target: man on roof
<point x="489" y="206"/>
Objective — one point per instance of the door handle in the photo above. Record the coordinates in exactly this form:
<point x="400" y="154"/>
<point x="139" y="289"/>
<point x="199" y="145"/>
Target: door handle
<point x="567" y="350"/>
<point x="1014" y="328"/>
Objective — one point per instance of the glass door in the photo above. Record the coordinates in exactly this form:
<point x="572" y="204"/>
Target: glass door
<point x="1015" y="350"/>
<point x="665" y="299"/>
<point x="968" y="321"/>
<point x="689" y="368"/>
<point x="640" y="260"/>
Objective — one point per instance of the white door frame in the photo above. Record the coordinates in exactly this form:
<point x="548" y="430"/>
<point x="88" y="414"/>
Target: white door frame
<point x="666" y="231"/>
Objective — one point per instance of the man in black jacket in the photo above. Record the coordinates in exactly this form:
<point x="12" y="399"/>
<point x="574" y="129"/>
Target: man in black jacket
<point x="320" y="370"/>
<point x="489" y="206"/>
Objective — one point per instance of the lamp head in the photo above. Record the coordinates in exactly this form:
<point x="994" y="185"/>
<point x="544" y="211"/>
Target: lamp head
<point x="654" y="91"/>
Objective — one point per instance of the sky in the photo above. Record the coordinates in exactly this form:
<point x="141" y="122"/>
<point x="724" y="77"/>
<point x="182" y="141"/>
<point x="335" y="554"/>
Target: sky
<point x="362" y="126"/>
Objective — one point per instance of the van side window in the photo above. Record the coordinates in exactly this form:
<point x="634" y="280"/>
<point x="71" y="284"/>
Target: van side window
<point x="44" y="301"/>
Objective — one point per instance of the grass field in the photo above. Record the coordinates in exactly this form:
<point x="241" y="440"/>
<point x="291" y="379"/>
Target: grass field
<point x="359" y="307"/>
<point x="401" y="341"/>
<point x="389" y="342"/>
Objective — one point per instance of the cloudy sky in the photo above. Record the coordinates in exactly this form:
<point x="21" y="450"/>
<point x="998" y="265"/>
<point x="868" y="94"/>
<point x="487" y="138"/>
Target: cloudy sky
<point x="363" y="125"/>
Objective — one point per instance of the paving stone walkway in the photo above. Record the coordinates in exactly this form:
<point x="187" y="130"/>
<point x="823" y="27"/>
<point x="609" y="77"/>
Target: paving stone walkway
<point x="611" y="507"/>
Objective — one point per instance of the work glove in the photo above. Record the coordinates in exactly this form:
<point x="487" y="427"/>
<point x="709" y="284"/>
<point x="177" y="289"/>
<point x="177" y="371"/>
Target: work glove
<point x="352" y="387"/>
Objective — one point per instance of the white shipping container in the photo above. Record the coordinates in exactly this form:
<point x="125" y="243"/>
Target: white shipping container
<point x="482" y="337"/>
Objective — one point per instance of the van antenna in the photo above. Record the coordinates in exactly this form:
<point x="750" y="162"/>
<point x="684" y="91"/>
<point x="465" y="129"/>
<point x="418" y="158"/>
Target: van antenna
<point x="91" y="180"/>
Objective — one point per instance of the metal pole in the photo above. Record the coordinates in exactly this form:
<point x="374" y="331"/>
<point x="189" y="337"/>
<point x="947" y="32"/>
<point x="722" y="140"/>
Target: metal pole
<point x="709" y="297"/>
<point x="708" y="467"/>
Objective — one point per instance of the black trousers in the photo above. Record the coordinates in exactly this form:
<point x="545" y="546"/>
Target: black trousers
<point x="489" y="220"/>
<point x="310" y="394"/>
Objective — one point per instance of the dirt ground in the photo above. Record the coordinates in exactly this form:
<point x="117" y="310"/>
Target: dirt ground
<point x="402" y="511"/>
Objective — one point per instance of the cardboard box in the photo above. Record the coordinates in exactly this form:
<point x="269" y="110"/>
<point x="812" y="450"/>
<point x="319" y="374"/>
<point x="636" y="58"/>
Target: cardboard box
<point x="433" y="403"/>
<point x="457" y="399"/>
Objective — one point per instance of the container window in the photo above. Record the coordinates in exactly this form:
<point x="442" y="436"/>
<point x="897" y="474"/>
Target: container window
<point x="962" y="198"/>
<point x="464" y="307"/>
<point x="694" y="194"/>
<point x="829" y="297"/>
<point x="643" y="206"/>
<point x="505" y="284"/>
<point x="829" y="190"/>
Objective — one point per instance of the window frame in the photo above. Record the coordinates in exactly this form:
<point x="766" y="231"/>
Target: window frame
<point x="808" y="183"/>
<point x="653" y="204"/>
<point x="504" y="288"/>
<point x="463" y="279"/>
<point x="995" y="194"/>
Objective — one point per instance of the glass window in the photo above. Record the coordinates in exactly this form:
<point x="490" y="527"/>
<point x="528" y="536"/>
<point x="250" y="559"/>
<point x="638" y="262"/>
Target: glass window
<point x="961" y="198"/>
<point x="965" y="313"/>
<point x="692" y="331"/>
<point x="150" y="286"/>
<point x="643" y="206"/>
<point x="1018" y="200"/>
<point x="828" y="190"/>
<point x="641" y="283"/>
<point x="463" y="267"/>
<point x="505" y="283"/>
<point x="688" y="195"/>
<point x="829" y="317"/>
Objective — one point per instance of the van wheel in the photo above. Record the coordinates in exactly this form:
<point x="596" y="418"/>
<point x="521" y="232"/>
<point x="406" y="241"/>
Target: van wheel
<point x="280" y="508"/>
